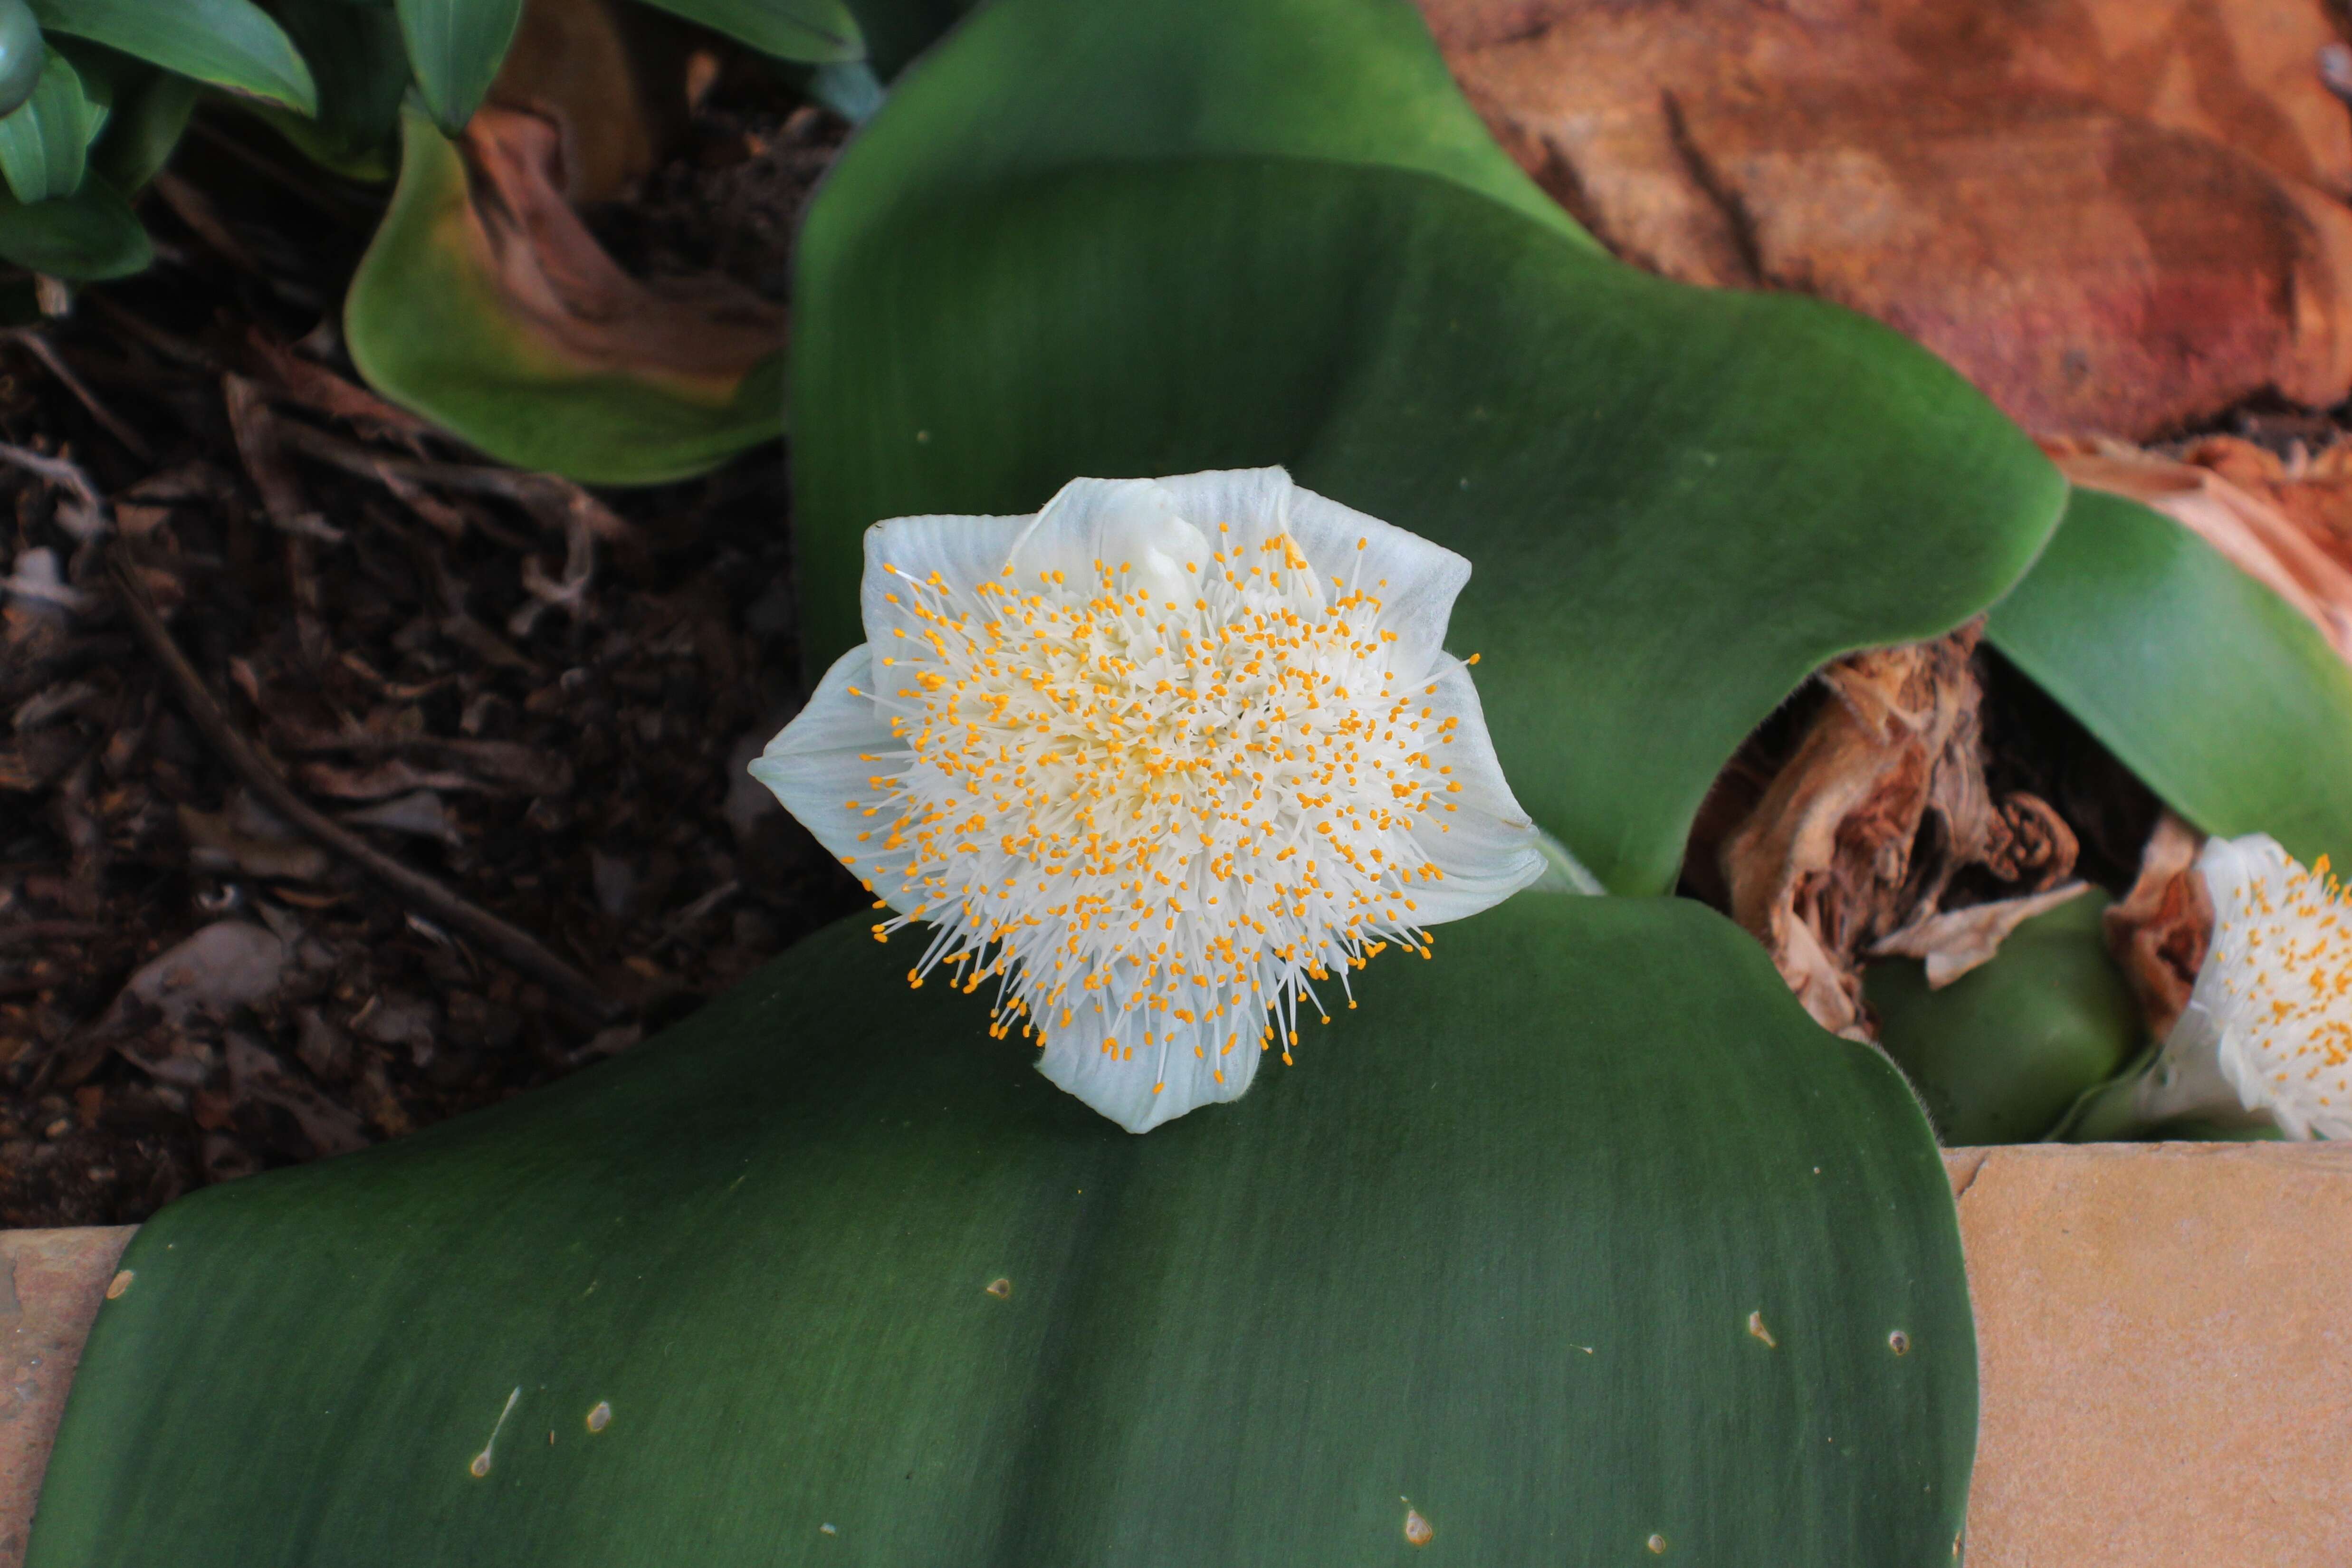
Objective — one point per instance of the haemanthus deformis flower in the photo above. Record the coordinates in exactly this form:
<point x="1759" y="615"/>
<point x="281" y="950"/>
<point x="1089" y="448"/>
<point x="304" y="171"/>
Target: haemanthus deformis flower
<point x="2269" y="1022"/>
<point x="1157" y="765"/>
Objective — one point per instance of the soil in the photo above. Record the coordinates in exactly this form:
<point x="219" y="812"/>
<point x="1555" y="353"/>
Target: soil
<point x="550" y="718"/>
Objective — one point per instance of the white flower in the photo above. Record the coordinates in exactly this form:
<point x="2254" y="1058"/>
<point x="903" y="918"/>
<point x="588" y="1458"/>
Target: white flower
<point x="1156" y="760"/>
<point x="2269" y="1022"/>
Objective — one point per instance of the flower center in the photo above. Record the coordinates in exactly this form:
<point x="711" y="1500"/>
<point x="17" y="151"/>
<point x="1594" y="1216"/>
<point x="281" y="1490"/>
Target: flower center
<point x="1159" y="805"/>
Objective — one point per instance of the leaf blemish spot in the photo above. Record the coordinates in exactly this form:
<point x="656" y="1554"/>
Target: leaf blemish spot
<point x="1757" y="1329"/>
<point x="117" y="1285"/>
<point x="1001" y="1288"/>
<point x="827" y="1530"/>
<point x="1418" y="1531"/>
<point x="600" y="1417"/>
<point x="481" y="1465"/>
<point x="1657" y="1544"/>
<point x="1899" y="1342"/>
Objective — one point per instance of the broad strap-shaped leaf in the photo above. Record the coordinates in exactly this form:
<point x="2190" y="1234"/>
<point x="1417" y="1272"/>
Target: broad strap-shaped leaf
<point x="823" y="32"/>
<point x="231" y="44"/>
<point x="88" y="237"/>
<point x="555" y="361"/>
<point x="45" y="145"/>
<point x="455" y="46"/>
<point x="2001" y="1054"/>
<point x="1177" y="234"/>
<point x="2226" y="702"/>
<point x="1580" y="1233"/>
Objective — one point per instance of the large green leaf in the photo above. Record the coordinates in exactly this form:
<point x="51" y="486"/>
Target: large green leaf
<point x="45" y="145"/>
<point x="456" y="47"/>
<point x="87" y="237"/>
<point x="231" y="44"/>
<point x="1175" y="234"/>
<point x="434" y="324"/>
<point x="2001" y="1054"/>
<point x="2226" y="702"/>
<point x="822" y="31"/>
<point x="1494" y="1245"/>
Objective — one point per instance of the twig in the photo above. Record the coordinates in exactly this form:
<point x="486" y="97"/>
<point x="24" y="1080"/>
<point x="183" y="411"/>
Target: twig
<point x="50" y="931"/>
<point x="570" y="989"/>
<point x="46" y="351"/>
<point x="546" y="497"/>
<point x="90" y="508"/>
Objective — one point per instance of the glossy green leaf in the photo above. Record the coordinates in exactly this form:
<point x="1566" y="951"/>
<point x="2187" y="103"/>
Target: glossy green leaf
<point x="151" y="113"/>
<point x="2226" y="702"/>
<point x="821" y="31"/>
<point x="1494" y="1245"/>
<point x="45" y="145"/>
<point x="87" y="237"/>
<point x="22" y="54"/>
<point x="1999" y="1055"/>
<point x="432" y="327"/>
<point x="1177" y="234"/>
<point x="456" y="47"/>
<point x="359" y="59"/>
<point x="231" y="44"/>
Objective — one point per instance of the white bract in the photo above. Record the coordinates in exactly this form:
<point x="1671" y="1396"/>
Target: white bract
<point x="1156" y="762"/>
<point x="2269" y="1022"/>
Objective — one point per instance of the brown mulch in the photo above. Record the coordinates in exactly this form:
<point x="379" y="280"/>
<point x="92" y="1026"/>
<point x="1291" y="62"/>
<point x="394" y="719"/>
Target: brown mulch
<point x="541" y="697"/>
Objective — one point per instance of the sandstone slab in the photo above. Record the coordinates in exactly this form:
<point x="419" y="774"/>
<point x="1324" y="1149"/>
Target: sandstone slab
<point x="51" y="1282"/>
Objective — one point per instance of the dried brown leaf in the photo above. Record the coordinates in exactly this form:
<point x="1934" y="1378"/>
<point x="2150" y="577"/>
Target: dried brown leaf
<point x="1861" y="832"/>
<point x="2159" y="931"/>
<point x="1950" y="942"/>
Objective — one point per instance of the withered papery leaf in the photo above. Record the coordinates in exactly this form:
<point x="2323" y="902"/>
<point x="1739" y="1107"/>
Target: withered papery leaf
<point x="1883" y="801"/>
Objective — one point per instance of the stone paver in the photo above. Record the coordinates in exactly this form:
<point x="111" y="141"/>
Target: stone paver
<point x="51" y="1282"/>
<point x="2161" y="1336"/>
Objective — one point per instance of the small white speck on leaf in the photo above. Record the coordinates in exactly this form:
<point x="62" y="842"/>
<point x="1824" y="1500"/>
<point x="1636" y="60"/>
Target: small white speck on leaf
<point x="827" y="1530"/>
<point x="1757" y="1329"/>
<point x="1418" y="1531"/>
<point x="1001" y="1289"/>
<point x="119" y="1284"/>
<point x="1657" y="1544"/>
<point x="600" y="1417"/>
<point x="1899" y="1342"/>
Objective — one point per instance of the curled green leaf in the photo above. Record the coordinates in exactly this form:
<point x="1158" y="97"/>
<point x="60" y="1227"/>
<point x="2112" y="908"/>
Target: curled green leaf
<point x="500" y="318"/>
<point x="45" y="145"/>
<point x="455" y="46"/>
<point x="2000" y="1054"/>
<point x="231" y="44"/>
